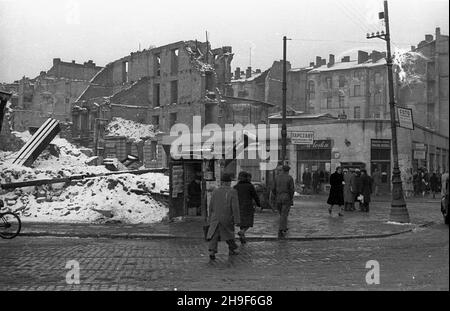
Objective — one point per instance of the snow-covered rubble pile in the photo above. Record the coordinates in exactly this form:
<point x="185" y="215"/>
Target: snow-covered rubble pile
<point x="71" y="161"/>
<point x="132" y="130"/>
<point x="93" y="200"/>
<point x="96" y="199"/>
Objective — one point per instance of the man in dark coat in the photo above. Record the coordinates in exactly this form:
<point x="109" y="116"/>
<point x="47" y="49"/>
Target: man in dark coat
<point x="283" y="190"/>
<point x="246" y="194"/>
<point x="336" y="196"/>
<point x="434" y="184"/>
<point x="364" y="188"/>
<point x="223" y="215"/>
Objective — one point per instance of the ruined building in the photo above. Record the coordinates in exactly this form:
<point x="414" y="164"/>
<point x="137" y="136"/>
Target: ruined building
<point x="161" y="86"/>
<point x="51" y="93"/>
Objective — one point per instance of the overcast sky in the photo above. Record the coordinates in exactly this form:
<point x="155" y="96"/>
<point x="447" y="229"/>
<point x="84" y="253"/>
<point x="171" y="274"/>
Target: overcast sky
<point x="33" y="32"/>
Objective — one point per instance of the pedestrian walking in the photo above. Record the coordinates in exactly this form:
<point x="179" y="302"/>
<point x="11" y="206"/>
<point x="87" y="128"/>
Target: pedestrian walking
<point x="223" y="215"/>
<point x="434" y="184"/>
<point x="364" y="189"/>
<point x="246" y="195"/>
<point x="283" y="191"/>
<point x="336" y="196"/>
<point x="349" y="198"/>
<point x="376" y="181"/>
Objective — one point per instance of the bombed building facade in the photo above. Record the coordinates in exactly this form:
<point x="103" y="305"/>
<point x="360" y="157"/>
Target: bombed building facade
<point x="162" y="86"/>
<point x="51" y="93"/>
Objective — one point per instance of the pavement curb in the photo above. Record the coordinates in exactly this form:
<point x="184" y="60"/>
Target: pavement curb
<point x="159" y="236"/>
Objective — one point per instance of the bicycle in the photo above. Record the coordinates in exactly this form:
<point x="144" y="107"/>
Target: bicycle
<point x="10" y="224"/>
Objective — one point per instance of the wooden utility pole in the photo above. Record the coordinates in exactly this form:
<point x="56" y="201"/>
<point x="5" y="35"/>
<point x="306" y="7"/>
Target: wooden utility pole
<point x="399" y="212"/>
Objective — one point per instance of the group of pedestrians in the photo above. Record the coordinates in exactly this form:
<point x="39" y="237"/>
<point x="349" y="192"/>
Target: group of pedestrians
<point x="233" y="206"/>
<point x="425" y="182"/>
<point x="348" y="187"/>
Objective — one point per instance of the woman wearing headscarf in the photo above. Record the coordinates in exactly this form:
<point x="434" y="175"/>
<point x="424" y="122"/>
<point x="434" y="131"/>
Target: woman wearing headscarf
<point x="246" y="194"/>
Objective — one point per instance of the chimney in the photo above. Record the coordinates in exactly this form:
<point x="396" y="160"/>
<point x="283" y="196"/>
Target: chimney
<point x="73" y="62"/>
<point x="413" y="47"/>
<point x="258" y="70"/>
<point x="324" y="62"/>
<point x="237" y="73"/>
<point x="248" y="72"/>
<point x="331" y="60"/>
<point x="311" y="64"/>
<point x="318" y="61"/>
<point x="438" y="32"/>
<point x="362" y="57"/>
<point x="428" y="38"/>
<point x="56" y="61"/>
<point x="345" y="59"/>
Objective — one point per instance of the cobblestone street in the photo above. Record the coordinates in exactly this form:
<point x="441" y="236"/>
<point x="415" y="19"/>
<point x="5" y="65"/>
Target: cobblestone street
<point x="413" y="261"/>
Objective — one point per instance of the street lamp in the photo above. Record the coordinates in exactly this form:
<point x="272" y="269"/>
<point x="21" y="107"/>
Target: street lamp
<point x="399" y="212"/>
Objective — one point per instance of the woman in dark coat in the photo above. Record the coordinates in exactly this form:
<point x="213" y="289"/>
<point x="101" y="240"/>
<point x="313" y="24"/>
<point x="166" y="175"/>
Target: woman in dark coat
<point x="336" y="196"/>
<point x="246" y="194"/>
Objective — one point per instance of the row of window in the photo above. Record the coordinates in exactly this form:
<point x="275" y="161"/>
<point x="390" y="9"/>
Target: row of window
<point x="312" y="93"/>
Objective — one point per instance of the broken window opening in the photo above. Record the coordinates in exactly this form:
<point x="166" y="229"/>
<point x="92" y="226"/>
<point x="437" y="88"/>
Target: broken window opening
<point x="157" y="63"/>
<point x="173" y="118"/>
<point x="174" y="92"/>
<point x="156" y="95"/>
<point x="125" y="77"/>
<point x="174" y="61"/>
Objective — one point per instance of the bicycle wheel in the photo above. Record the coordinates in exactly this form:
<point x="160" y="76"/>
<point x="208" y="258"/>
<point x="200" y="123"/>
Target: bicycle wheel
<point x="10" y="225"/>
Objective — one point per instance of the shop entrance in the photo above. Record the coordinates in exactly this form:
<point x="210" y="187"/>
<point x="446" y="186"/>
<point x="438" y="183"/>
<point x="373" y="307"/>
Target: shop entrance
<point x="186" y="185"/>
<point x="380" y="158"/>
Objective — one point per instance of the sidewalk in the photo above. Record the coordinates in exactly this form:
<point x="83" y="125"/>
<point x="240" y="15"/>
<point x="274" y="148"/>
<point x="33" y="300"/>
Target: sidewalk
<point x="309" y="220"/>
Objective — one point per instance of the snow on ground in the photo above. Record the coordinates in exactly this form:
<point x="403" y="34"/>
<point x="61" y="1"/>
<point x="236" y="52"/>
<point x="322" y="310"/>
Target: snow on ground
<point x="132" y="130"/>
<point x="96" y="199"/>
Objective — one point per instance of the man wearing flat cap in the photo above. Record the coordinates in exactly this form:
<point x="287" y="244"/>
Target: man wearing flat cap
<point x="283" y="189"/>
<point x="222" y="217"/>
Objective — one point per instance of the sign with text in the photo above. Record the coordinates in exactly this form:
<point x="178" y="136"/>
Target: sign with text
<point x="302" y="138"/>
<point x="405" y="118"/>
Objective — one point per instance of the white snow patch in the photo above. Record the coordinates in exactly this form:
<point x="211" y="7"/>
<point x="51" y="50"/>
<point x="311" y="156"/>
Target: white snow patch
<point x="132" y="130"/>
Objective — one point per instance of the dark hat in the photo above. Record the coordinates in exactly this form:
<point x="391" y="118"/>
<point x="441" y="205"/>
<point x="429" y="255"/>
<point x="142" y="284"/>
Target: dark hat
<point x="226" y="177"/>
<point x="286" y="168"/>
<point x="243" y="175"/>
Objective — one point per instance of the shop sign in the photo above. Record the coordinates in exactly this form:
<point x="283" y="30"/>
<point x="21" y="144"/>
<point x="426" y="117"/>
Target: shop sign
<point x="318" y="144"/>
<point x="302" y="138"/>
<point x="381" y="143"/>
<point x="405" y="118"/>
